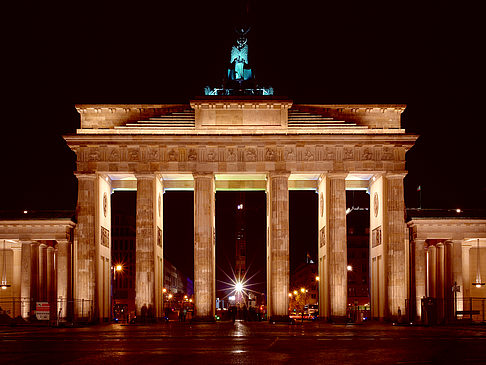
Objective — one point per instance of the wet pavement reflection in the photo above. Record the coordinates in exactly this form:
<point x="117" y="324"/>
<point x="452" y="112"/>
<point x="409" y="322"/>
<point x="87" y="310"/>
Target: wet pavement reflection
<point x="244" y="343"/>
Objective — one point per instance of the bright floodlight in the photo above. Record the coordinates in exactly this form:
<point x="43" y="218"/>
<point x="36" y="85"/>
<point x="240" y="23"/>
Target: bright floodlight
<point x="238" y="286"/>
<point x="119" y="268"/>
<point x="350" y="268"/>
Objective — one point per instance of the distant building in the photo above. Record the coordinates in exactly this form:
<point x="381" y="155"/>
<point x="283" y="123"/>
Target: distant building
<point x="358" y="267"/>
<point x="123" y="253"/>
<point x="175" y="281"/>
<point x="304" y="276"/>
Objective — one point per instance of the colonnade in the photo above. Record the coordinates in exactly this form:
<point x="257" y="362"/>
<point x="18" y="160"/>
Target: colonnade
<point x="149" y="246"/>
<point x="40" y="271"/>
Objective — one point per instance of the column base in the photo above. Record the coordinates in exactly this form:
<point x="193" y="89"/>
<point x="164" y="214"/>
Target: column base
<point x="203" y="319"/>
<point x="280" y="319"/>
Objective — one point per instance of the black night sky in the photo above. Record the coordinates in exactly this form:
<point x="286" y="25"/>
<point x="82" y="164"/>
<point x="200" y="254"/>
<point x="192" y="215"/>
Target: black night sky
<point x="422" y="56"/>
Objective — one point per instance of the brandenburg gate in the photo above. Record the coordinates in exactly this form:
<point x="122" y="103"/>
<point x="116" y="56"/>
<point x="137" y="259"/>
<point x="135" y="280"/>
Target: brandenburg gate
<point x="242" y="143"/>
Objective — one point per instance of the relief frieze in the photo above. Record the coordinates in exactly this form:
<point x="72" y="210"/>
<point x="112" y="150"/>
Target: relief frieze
<point x="366" y="154"/>
<point x="133" y="154"/>
<point x="114" y="154"/>
<point x="153" y="154"/>
<point x="270" y="154"/>
<point x="230" y="154"/>
<point x="192" y="155"/>
<point x="94" y="154"/>
<point x="250" y="154"/>
<point x="172" y="154"/>
<point x="308" y="154"/>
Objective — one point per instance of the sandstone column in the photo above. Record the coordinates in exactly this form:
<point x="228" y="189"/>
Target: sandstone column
<point x="34" y="279"/>
<point x="204" y="246"/>
<point x="466" y="249"/>
<point x="278" y="246"/>
<point x="457" y="276"/>
<point x="432" y="271"/>
<point x="51" y="281"/>
<point x="26" y="279"/>
<point x="63" y="278"/>
<point x="440" y="282"/>
<point x="420" y="272"/>
<point x="86" y="247"/>
<point x="338" y="281"/>
<point x="42" y="272"/>
<point x="16" y="278"/>
<point x="396" y="261"/>
<point x="448" y="283"/>
<point x="145" y="245"/>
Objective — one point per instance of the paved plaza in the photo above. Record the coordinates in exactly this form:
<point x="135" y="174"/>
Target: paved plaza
<point x="244" y="343"/>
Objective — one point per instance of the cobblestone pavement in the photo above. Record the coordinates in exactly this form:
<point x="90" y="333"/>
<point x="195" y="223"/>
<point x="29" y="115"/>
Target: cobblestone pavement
<point x="244" y="343"/>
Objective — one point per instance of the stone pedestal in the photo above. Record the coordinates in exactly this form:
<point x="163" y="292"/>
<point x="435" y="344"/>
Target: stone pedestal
<point x="145" y="243"/>
<point x="86" y="247"/>
<point x="204" y="247"/>
<point x="278" y="246"/>
<point x="337" y="246"/>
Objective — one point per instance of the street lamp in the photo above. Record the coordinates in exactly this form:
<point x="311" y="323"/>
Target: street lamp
<point x="349" y="268"/>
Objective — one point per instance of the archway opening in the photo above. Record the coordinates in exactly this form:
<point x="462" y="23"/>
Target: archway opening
<point x="303" y="284"/>
<point x="358" y="254"/>
<point x="240" y="255"/>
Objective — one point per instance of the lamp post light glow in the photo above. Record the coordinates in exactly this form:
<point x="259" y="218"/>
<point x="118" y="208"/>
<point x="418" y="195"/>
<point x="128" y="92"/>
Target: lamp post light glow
<point x="349" y="268"/>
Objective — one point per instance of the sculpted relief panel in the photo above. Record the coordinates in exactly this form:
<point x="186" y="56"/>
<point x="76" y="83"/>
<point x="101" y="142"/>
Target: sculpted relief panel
<point x="292" y="157"/>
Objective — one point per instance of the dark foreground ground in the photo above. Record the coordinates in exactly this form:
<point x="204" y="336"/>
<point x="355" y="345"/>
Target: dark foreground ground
<point x="244" y="343"/>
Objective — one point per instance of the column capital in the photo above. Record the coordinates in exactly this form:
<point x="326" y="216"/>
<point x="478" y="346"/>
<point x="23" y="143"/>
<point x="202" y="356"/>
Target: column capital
<point x="83" y="175"/>
<point x="147" y="176"/>
<point x="337" y="175"/>
<point x="203" y="175"/>
<point x="278" y="173"/>
<point x="395" y="175"/>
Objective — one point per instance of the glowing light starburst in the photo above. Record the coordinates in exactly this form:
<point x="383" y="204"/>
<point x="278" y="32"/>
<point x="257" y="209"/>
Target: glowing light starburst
<point x="239" y="286"/>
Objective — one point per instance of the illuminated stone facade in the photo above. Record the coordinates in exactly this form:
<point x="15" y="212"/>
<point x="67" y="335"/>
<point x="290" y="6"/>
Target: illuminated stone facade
<point x="445" y="266"/>
<point x="36" y="266"/>
<point x="243" y="144"/>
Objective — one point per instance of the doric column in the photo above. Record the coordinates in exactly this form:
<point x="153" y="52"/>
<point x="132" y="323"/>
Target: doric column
<point x="51" y="280"/>
<point x="145" y="244"/>
<point x="16" y="277"/>
<point x="34" y="281"/>
<point x="278" y="245"/>
<point x="85" y="236"/>
<point x="337" y="246"/>
<point x="396" y="260"/>
<point x="63" y="278"/>
<point x="457" y="277"/>
<point x="448" y="283"/>
<point x="466" y="250"/>
<point x="26" y="279"/>
<point x="420" y="272"/>
<point x="440" y="282"/>
<point x="432" y="271"/>
<point x="204" y="246"/>
<point x="42" y="272"/>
